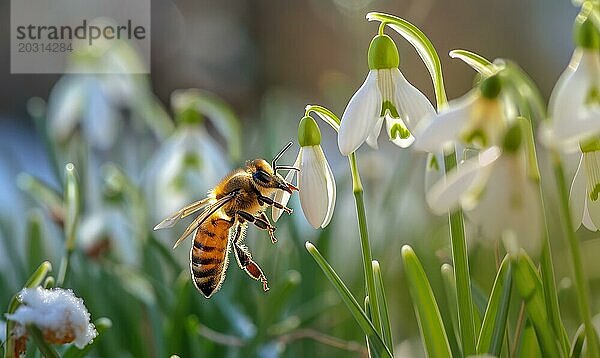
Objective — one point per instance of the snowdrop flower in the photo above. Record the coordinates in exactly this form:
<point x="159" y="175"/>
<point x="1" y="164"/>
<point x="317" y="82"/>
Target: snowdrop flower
<point x="575" y="122"/>
<point x="575" y="100"/>
<point x="89" y="102"/>
<point x="62" y="317"/>
<point x="385" y="94"/>
<point x="477" y="119"/>
<point x="494" y="190"/>
<point x="315" y="178"/>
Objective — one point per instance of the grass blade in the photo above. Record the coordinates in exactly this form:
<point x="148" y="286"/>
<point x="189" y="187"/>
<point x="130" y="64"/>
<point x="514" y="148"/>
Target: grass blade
<point x="35" y="244"/>
<point x="577" y="346"/>
<point x="529" y="343"/>
<point x="428" y="315"/>
<point x="379" y="348"/>
<point x="47" y="350"/>
<point x="492" y="331"/>
<point x="383" y="306"/>
<point x="71" y="204"/>
<point x="34" y="280"/>
<point x="452" y="301"/>
<point x="529" y="287"/>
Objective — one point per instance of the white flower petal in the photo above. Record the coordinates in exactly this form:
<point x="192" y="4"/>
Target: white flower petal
<point x="360" y="115"/>
<point x="281" y="196"/>
<point x="432" y="136"/>
<point x="434" y="170"/>
<point x="412" y="105"/>
<point x="65" y="106"/>
<point x="568" y="102"/>
<point x="312" y="183"/>
<point x="401" y="142"/>
<point x="593" y="210"/>
<point x="577" y="195"/>
<point x="587" y="220"/>
<point x="525" y="214"/>
<point x="374" y="134"/>
<point x="463" y="184"/>
<point x="331" y="189"/>
<point x="100" y="124"/>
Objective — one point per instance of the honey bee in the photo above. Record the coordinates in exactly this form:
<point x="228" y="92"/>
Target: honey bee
<point x="238" y="199"/>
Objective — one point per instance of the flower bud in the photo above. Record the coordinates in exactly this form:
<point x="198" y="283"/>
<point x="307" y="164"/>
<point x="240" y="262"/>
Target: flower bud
<point x="308" y="132"/>
<point x="383" y="53"/>
<point x="491" y="87"/>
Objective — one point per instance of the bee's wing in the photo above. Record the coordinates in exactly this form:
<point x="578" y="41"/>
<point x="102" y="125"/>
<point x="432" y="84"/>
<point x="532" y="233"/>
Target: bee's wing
<point x="204" y="215"/>
<point x="183" y="212"/>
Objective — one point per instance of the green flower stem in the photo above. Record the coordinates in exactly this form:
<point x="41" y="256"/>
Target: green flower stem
<point x="428" y="54"/>
<point x="581" y="287"/>
<point x="71" y="203"/>
<point x="330" y="118"/>
<point x="546" y="265"/>
<point x="364" y="242"/>
<point x="461" y="272"/>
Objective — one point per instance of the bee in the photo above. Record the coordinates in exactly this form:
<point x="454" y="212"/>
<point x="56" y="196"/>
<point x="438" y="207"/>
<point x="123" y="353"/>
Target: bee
<point x="238" y="199"/>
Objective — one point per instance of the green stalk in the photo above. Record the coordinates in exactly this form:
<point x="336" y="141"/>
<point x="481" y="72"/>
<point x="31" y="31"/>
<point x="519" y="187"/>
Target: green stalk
<point x="330" y="118"/>
<point x="546" y="265"/>
<point x="461" y="272"/>
<point x="71" y="204"/>
<point x="581" y="287"/>
<point x="364" y="242"/>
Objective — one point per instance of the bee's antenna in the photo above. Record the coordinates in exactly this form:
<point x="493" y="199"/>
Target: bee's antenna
<point x="274" y="162"/>
<point x="288" y="167"/>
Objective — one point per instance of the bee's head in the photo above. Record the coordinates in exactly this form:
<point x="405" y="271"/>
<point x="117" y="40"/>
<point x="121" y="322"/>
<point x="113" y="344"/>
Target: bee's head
<point x="265" y="177"/>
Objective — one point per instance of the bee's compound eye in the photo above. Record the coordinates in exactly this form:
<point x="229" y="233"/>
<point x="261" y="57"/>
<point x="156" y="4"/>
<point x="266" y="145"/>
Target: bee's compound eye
<point x="262" y="176"/>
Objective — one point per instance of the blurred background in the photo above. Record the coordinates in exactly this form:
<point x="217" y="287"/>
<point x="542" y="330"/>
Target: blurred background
<point x="140" y="154"/>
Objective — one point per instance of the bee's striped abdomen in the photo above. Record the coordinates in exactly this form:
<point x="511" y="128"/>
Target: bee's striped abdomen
<point x="209" y="254"/>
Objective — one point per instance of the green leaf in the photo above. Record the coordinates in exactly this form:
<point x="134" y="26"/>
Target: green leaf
<point x="383" y="306"/>
<point x="36" y="279"/>
<point x="35" y="244"/>
<point x="550" y="294"/>
<point x="450" y="288"/>
<point x="71" y="209"/>
<point x="529" y="344"/>
<point x="492" y="331"/>
<point x="46" y="349"/>
<point x="477" y="62"/>
<point x="38" y="276"/>
<point x="102" y="324"/>
<point x="426" y="308"/>
<point x="42" y="193"/>
<point x="577" y="345"/>
<point x="423" y="46"/>
<point x="529" y="287"/>
<point x="71" y="200"/>
<point x="370" y="317"/>
<point x="379" y="348"/>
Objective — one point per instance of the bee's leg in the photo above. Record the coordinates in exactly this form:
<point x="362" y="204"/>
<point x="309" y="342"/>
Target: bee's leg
<point x="271" y="202"/>
<point x="261" y="222"/>
<point x="245" y="262"/>
<point x="271" y="228"/>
